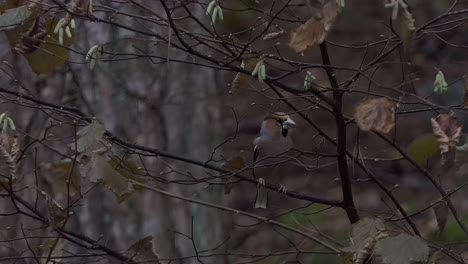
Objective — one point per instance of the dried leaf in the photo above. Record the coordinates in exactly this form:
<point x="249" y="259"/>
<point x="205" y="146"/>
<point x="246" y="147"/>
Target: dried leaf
<point x="376" y="114"/>
<point x="52" y="248"/>
<point x="13" y="17"/>
<point x="98" y="168"/>
<point x="402" y="249"/>
<point x="127" y="168"/>
<point x="63" y="179"/>
<point x="314" y="31"/>
<point x="234" y="164"/>
<point x="89" y="136"/>
<point x="404" y="26"/>
<point x="50" y="56"/>
<point x="447" y="129"/>
<point x="15" y="147"/>
<point x="32" y="39"/>
<point x="364" y="235"/>
<point x="142" y="251"/>
<point x="57" y="215"/>
<point x="9" y="148"/>
<point x="441" y="212"/>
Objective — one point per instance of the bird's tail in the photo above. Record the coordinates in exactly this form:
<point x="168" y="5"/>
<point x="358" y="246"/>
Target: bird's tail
<point x="261" y="198"/>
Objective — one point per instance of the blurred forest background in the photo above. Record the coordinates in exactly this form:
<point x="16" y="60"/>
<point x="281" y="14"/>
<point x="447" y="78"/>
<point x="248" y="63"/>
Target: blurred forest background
<point x="134" y="124"/>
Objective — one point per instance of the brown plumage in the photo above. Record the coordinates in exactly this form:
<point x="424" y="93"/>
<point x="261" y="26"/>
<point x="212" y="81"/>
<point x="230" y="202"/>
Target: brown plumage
<point x="273" y="141"/>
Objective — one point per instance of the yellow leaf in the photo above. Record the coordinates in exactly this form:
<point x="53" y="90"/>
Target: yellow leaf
<point x="423" y="148"/>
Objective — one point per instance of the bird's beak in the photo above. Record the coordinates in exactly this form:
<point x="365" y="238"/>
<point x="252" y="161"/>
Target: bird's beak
<point x="288" y="123"/>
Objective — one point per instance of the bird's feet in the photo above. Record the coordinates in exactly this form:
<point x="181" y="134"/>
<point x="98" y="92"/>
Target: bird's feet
<point x="261" y="182"/>
<point x="282" y="189"/>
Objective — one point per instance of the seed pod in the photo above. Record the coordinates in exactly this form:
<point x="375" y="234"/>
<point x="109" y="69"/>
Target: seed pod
<point x="214" y="15"/>
<point x="210" y="7"/>
<point x="68" y="31"/>
<point x="220" y="13"/>
<point x="5" y="125"/>
<point x="73" y="24"/>
<point x="60" y="36"/>
<point x="58" y="26"/>
<point x="262" y="72"/>
<point x="2" y="116"/>
<point x="11" y="123"/>
<point x="255" y="70"/>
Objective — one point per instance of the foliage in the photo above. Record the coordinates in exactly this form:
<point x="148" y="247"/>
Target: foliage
<point x="154" y="124"/>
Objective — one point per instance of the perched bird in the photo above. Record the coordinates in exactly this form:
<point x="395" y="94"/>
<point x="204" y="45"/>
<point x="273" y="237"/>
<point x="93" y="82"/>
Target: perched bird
<point x="274" y="140"/>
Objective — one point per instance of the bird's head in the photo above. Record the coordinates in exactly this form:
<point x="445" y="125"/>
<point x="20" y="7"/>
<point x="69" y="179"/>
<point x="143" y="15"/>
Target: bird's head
<point x="280" y="122"/>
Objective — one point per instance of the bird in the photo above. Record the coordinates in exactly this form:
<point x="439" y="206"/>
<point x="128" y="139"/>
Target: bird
<point x="273" y="141"/>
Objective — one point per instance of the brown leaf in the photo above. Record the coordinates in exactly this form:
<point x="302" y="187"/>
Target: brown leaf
<point x="314" y="31"/>
<point x="63" y="179"/>
<point x="50" y="56"/>
<point x="57" y="215"/>
<point x="441" y="212"/>
<point x="447" y="129"/>
<point x="234" y="164"/>
<point x="142" y="251"/>
<point x="98" y="168"/>
<point x="53" y="248"/>
<point x="31" y="40"/>
<point x="376" y="114"/>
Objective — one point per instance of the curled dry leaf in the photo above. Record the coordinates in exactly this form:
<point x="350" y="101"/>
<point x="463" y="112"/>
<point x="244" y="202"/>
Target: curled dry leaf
<point x="404" y="24"/>
<point x="57" y="215"/>
<point x="447" y="129"/>
<point x="31" y="40"/>
<point x="234" y="164"/>
<point x="9" y="149"/>
<point x="376" y="114"/>
<point x="314" y="31"/>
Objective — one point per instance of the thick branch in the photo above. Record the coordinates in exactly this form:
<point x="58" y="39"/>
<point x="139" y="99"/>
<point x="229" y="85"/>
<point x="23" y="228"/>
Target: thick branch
<point x="347" y="191"/>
